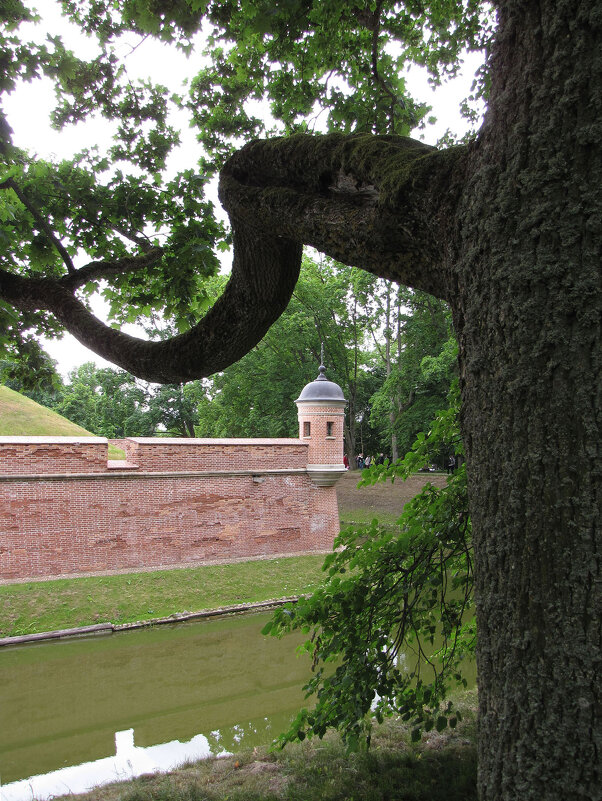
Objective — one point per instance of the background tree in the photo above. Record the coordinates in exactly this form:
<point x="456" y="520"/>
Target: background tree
<point x="33" y="374"/>
<point x="417" y="330"/>
<point x="504" y="228"/>
<point x="173" y="408"/>
<point x="256" y="396"/>
<point x="110" y="403"/>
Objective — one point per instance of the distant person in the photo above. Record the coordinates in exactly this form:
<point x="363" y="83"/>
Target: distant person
<point x="360" y="461"/>
<point x="380" y="459"/>
<point x="451" y="465"/>
<point x="346" y="462"/>
<point x="367" y="461"/>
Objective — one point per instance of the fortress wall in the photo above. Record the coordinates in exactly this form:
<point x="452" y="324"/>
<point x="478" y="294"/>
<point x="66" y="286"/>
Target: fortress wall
<point x="63" y="511"/>
<point x="158" y="454"/>
<point x="27" y="455"/>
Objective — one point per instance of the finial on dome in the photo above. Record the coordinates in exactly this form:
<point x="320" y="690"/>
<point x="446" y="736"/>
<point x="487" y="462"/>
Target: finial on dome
<point x="322" y="389"/>
<point x="322" y="369"/>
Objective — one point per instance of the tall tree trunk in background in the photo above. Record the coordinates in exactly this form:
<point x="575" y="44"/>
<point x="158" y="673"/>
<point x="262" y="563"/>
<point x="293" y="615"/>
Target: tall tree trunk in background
<point x="388" y="368"/>
<point x="396" y="399"/>
<point x="528" y="311"/>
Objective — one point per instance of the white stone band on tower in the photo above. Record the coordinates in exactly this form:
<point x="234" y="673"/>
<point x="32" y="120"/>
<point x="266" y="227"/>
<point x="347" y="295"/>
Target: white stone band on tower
<point x="321" y="407"/>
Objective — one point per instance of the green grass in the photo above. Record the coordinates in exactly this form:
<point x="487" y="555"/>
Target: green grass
<point x="440" y="768"/>
<point x="366" y="516"/>
<point x="23" y="417"/>
<point x="66" y="603"/>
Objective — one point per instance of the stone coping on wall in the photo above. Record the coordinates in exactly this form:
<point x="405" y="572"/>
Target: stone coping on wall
<point x="46" y="440"/>
<point x="83" y="440"/>
<point x="78" y="456"/>
<point x="154" y="441"/>
<point x="16" y="477"/>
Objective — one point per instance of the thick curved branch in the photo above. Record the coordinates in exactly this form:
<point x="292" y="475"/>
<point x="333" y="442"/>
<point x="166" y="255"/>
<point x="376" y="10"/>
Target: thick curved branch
<point x="384" y="204"/>
<point x="380" y="203"/>
<point x="254" y="298"/>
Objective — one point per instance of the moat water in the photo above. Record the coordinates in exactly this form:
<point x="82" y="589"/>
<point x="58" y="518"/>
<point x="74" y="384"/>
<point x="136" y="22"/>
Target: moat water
<point x="82" y="712"/>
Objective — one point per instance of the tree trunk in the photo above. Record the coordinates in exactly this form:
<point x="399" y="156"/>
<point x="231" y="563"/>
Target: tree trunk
<point x="528" y="310"/>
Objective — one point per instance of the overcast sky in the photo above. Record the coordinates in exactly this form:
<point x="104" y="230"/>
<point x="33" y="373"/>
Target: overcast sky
<point x="28" y="111"/>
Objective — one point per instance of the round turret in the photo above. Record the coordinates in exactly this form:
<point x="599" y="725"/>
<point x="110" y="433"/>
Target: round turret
<point x="321" y="407"/>
<point x="321" y="389"/>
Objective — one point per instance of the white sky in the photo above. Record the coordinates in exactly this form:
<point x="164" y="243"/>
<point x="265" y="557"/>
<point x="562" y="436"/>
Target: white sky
<point x="29" y="107"/>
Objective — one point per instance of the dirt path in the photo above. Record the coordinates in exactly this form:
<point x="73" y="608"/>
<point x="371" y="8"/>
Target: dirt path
<point x="385" y="498"/>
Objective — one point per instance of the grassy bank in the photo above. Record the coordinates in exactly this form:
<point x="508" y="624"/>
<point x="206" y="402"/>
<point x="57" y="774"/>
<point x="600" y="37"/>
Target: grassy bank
<point x="440" y="768"/>
<point x="21" y="416"/>
<point x="66" y="603"/>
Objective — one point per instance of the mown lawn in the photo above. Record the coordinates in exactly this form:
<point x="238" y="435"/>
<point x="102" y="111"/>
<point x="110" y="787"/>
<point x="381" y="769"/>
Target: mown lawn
<point x="66" y="603"/>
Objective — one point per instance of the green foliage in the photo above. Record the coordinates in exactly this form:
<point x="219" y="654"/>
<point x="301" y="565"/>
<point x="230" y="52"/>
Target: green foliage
<point x="32" y="373"/>
<point x="338" y="64"/>
<point x="173" y="408"/>
<point x="103" y="400"/>
<point x="112" y="219"/>
<point x="256" y="396"/>
<point x="113" y="404"/>
<point x="385" y="588"/>
<point x="422" y="363"/>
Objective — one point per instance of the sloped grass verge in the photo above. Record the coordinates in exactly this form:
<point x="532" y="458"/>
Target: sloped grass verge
<point x="66" y="603"/>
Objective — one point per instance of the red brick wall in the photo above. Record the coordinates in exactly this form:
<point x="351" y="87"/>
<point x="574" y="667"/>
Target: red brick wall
<point x="26" y="455"/>
<point x="322" y="448"/>
<point x="179" y="455"/>
<point x="102" y="520"/>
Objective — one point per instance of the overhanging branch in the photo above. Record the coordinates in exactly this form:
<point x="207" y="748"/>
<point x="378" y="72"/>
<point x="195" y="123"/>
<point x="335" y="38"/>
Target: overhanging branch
<point x="96" y="270"/>
<point x="379" y="203"/>
<point x="384" y="204"/>
<point x="253" y="299"/>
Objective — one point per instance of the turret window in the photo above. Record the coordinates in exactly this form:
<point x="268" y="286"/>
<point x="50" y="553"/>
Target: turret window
<point x="306" y="429"/>
<point x="330" y="429"/>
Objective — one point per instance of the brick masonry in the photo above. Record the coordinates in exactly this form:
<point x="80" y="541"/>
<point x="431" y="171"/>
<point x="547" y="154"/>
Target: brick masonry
<point x="65" y="510"/>
<point x="324" y="448"/>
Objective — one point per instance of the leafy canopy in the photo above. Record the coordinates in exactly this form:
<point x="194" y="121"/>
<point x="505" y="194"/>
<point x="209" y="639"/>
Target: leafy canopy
<point x="113" y="219"/>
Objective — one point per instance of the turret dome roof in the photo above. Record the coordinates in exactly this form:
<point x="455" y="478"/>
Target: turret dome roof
<point x="321" y="389"/>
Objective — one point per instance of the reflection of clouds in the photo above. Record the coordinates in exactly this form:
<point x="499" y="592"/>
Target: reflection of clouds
<point x="129" y="761"/>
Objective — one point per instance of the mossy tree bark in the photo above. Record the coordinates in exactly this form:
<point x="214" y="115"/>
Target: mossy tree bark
<point x="528" y="310"/>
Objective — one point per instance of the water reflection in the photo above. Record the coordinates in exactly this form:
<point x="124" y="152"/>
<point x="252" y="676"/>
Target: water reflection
<point x="129" y="761"/>
<point x="62" y="702"/>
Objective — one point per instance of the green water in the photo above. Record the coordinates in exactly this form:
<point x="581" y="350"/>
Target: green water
<point x="61" y="703"/>
<point x="77" y="713"/>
